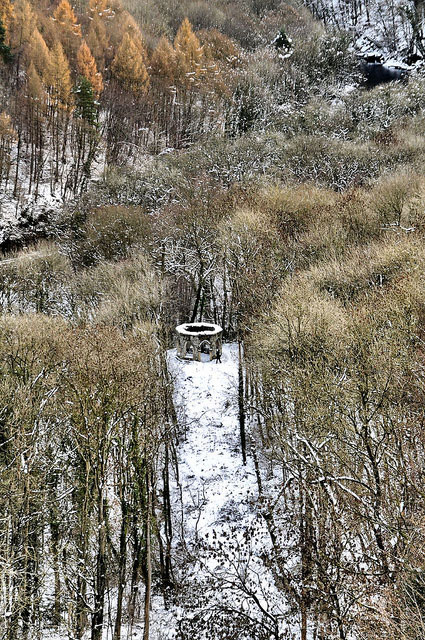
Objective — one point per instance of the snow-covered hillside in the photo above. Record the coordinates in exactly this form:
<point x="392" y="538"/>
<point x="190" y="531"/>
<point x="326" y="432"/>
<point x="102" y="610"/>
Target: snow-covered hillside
<point x="379" y="27"/>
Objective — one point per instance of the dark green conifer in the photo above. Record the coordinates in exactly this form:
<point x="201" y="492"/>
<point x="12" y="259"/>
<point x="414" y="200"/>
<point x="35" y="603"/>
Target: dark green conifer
<point x="85" y="101"/>
<point x="282" y="41"/>
<point x="5" y="52"/>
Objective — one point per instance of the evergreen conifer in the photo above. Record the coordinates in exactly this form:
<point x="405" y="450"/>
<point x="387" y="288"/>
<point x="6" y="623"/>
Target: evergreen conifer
<point x="85" y="101"/>
<point x="5" y="52"/>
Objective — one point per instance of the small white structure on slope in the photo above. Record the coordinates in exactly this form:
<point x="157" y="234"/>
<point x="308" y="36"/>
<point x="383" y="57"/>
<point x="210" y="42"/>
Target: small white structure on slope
<point x="193" y="338"/>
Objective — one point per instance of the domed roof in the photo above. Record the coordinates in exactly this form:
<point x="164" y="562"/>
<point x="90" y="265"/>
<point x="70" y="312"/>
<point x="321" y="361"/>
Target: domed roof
<point x="199" y="329"/>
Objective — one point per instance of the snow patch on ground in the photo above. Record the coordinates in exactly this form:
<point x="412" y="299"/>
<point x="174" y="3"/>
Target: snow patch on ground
<point x="218" y="522"/>
<point x="384" y="29"/>
<point x="210" y="460"/>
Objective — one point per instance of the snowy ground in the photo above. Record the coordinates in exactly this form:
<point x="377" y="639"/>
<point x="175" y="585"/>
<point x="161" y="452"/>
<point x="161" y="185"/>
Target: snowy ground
<point x="218" y="529"/>
<point x="214" y="489"/>
<point x="221" y="544"/>
<point x="212" y="476"/>
<point x="22" y="209"/>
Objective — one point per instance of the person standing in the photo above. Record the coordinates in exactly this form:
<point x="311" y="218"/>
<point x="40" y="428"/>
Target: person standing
<point x="218" y="354"/>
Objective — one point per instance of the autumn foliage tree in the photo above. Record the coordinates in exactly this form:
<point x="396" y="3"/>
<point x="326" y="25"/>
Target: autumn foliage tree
<point x="163" y="62"/>
<point x="86" y="65"/>
<point x="60" y="103"/>
<point x="36" y="105"/>
<point x="6" y="14"/>
<point x="129" y="67"/>
<point x="23" y="24"/>
<point x="98" y="42"/>
<point x="128" y="99"/>
<point x="189" y="54"/>
<point x="7" y="137"/>
<point x="66" y="19"/>
<point x="68" y="28"/>
<point x="59" y="78"/>
<point x="38" y="53"/>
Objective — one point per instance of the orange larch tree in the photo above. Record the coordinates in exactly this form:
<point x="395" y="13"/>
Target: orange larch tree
<point x="189" y="55"/>
<point x="98" y="42"/>
<point x="66" y="18"/>
<point x="6" y="14"/>
<point x="59" y="78"/>
<point x="86" y="65"/>
<point x="38" y="53"/>
<point x="36" y="102"/>
<point x="129" y="67"/>
<point x="8" y="136"/>
<point x="22" y="25"/>
<point x="163" y="61"/>
<point x="61" y="104"/>
<point x="98" y="39"/>
<point x="35" y="88"/>
<point x="69" y="31"/>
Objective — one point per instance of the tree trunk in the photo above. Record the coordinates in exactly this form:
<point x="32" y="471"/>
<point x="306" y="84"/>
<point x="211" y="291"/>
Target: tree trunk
<point x="148" y="560"/>
<point x="241" y="402"/>
<point x="198" y="295"/>
<point x="99" y="596"/>
<point x="121" y="568"/>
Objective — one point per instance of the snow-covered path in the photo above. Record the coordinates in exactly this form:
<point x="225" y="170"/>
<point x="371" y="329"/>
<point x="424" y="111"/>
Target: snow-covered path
<point x="221" y="542"/>
<point x="221" y="546"/>
<point x="214" y="483"/>
<point x="213" y="491"/>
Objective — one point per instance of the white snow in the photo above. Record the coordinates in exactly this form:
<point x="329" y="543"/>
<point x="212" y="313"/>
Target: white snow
<point x="396" y="64"/>
<point x="216" y="496"/>
<point x="208" y="329"/>
<point x="210" y="460"/>
<point x="215" y="507"/>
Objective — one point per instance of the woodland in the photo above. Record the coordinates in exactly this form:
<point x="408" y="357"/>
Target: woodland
<point x="164" y="162"/>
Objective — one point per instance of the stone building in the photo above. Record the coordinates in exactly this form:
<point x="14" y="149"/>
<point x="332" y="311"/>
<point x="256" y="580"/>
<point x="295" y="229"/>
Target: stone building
<point x="194" y="338"/>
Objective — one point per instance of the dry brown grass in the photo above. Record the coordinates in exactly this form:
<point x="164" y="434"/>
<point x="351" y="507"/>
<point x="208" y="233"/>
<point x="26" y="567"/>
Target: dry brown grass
<point x="377" y="264"/>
